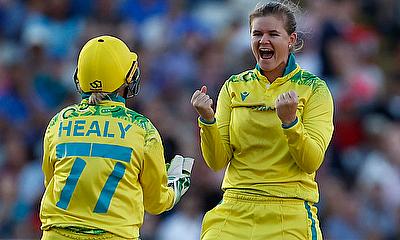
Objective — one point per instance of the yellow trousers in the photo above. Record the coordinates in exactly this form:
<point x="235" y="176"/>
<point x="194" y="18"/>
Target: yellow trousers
<point x="253" y="217"/>
<point x="64" y="234"/>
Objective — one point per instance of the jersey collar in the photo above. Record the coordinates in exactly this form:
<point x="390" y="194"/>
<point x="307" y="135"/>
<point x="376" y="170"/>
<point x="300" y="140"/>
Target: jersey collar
<point x="290" y="70"/>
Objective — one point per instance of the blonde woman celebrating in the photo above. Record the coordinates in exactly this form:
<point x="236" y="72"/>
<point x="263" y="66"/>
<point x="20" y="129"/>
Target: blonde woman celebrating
<point x="270" y="131"/>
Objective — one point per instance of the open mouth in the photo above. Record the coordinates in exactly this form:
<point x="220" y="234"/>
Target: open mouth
<point x="266" y="53"/>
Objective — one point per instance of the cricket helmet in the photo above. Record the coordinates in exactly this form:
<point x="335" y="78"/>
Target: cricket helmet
<point x="105" y="63"/>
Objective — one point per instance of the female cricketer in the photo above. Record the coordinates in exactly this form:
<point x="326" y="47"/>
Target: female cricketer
<point x="104" y="163"/>
<point x="271" y="129"/>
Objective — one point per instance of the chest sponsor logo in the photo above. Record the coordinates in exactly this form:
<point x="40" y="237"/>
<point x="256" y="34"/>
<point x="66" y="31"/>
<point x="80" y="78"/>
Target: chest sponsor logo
<point x="263" y="108"/>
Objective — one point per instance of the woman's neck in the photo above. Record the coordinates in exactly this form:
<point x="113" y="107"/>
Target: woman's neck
<point x="275" y="73"/>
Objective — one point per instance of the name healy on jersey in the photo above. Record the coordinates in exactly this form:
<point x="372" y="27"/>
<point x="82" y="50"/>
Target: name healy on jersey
<point x="80" y="128"/>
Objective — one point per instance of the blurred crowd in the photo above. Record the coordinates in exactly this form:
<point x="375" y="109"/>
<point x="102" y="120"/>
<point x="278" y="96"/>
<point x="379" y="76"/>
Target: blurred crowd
<point x="354" y="45"/>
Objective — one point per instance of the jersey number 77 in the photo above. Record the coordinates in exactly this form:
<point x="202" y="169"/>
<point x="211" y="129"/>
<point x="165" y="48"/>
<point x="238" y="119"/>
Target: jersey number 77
<point x="95" y="150"/>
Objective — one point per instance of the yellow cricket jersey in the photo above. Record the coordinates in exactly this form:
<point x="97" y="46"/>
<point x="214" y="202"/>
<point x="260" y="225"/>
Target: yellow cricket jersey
<point x="103" y="166"/>
<point x="261" y="156"/>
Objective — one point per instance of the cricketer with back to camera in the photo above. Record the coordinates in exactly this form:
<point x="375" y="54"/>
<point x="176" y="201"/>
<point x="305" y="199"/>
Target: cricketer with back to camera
<point x="104" y="163"/>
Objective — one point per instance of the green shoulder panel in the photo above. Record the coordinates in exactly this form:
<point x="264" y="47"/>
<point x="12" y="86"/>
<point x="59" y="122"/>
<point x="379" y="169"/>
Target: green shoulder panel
<point x="245" y="76"/>
<point x="54" y="120"/>
<point x="83" y="109"/>
<point x="308" y="79"/>
<point x="140" y="120"/>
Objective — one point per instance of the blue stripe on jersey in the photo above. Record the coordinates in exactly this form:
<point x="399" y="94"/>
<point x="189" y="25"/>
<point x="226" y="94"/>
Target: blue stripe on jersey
<point x="111" y="151"/>
<point x="72" y="149"/>
<point x="313" y="229"/>
<point x="109" y="188"/>
<point x="71" y="182"/>
<point x="94" y="150"/>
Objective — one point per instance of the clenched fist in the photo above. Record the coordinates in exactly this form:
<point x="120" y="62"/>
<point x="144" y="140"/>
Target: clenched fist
<point x="286" y="106"/>
<point x="203" y="104"/>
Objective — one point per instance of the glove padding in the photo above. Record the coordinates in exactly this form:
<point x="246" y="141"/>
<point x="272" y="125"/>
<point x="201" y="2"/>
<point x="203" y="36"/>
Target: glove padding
<point x="178" y="172"/>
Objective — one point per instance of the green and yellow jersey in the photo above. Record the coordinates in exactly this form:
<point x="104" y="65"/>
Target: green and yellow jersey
<point x="103" y="166"/>
<point x="261" y="156"/>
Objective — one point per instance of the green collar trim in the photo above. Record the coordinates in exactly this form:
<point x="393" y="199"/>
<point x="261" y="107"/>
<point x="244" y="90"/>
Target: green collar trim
<point x="290" y="66"/>
<point x="291" y="69"/>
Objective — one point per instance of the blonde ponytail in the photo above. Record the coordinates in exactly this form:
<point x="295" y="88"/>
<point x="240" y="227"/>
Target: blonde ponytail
<point x="96" y="97"/>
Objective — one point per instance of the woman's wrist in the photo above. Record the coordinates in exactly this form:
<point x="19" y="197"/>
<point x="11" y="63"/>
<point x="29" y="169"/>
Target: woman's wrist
<point x="289" y="125"/>
<point x="207" y="121"/>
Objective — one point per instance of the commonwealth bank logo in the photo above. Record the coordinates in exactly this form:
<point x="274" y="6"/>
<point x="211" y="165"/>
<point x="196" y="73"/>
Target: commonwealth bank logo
<point x="244" y="95"/>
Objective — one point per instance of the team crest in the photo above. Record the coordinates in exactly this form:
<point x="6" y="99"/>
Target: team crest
<point x="96" y="85"/>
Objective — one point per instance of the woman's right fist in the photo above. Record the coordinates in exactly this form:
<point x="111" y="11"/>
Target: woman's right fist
<point x="203" y="104"/>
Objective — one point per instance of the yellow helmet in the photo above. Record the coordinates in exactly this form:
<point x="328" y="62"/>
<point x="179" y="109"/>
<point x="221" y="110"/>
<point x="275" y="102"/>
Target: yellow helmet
<point x="105" y="63"/>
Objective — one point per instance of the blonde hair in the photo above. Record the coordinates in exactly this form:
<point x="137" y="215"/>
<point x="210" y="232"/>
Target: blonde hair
<point x="97" y="97"/>
<point x="285" y="9"/>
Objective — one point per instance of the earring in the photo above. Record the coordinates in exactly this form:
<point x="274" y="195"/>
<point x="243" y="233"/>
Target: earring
<point x="290" y="46"/>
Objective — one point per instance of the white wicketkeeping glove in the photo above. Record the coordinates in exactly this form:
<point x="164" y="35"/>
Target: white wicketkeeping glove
<point x="178" y="172"/>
